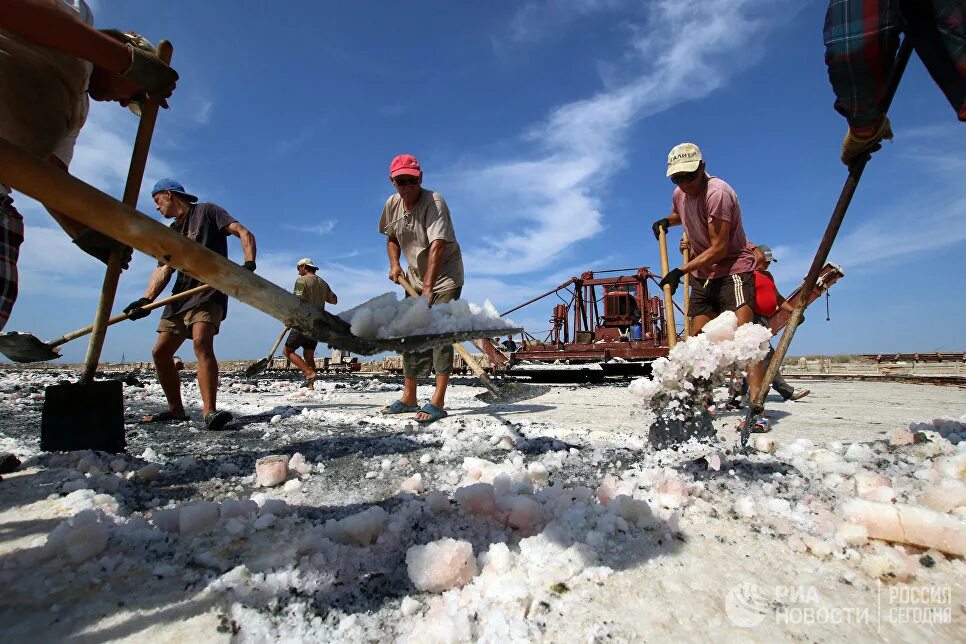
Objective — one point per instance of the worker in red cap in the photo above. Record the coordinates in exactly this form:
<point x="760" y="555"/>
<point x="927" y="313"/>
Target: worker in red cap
<point x="417" y="224"/>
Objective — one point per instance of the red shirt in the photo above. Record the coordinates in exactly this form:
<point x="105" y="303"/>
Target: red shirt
<point x="766" y="294"/>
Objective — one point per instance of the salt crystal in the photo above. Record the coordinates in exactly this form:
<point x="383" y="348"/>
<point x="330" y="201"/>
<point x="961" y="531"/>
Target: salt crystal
<point x="908" y="524"/>
<point x="745" y="507"/>
<point x="231" y="508"/>
<point x="276" y="419"/>
<point x="426" y="458"/>
<point x="271" y="470"/>
<point x="118" y="465"/>
<point x="386" y="465"/>
<point x="476" y="499"/>
<point x="765" y="444"/>
<point x="85" y="541"/>
<point x="167" y="519"/>
<point x="299" y="465"/>
<point x="409" y="606"/>
<point x="524" y="514"/>
<point x="900" y="437"/>
<point x="196" y="517"/>
<point x="538" y="473"/>
<point x="944" y="496"/>
<point x="228" y="469"/>
<point x="438" y="503"/>
<point x="292" y="486"/>
<point x="853" y="534"/>
<point x="858" y="453"/>
<point x="866" y="481"/>
<point x="265" y="521"/>
<point x="413" y="484"/>
<point x="441" y="565"/>
<point x="235" y="527"/>
<point x="149" y="454"/>
<point x="715" y="460"/>
<point x="359" y="529"/>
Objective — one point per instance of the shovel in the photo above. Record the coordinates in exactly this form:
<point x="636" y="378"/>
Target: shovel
<point x="89" y="414"/>
<point x="467" y="357"/>
<point x="672" y="330"/>
<point x="256" y="368"/>
<point x="74" y="198"/>
<point x="26" y="347"/>
<point x="824" y="248"/>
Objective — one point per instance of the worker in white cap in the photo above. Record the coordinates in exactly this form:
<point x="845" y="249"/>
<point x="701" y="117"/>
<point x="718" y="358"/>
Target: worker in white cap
<point x="721" y="263"/>
<point x="310" y="288"/>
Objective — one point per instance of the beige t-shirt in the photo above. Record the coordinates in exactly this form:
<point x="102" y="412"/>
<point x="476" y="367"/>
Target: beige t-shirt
<point x="313" y="289"/>
<point x="415" y="230"/>
<point x="44" y="92"/>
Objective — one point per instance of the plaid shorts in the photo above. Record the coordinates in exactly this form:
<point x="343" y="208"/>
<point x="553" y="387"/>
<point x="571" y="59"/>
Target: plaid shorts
<point x="11" y="236"/>
<point x="861" y="40"/>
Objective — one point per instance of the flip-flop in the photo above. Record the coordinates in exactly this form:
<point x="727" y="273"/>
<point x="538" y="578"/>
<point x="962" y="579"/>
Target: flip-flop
<point x="435" y="413"/>
<point x="399" y="407"/>
<point x="163" y="417"/>
<point x="215" y="421"/>
<point x="309" y="383"/>
<point x="761" y="425"/>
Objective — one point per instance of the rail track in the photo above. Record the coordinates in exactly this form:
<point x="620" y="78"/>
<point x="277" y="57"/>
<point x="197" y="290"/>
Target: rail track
<point x="939" y="380"/>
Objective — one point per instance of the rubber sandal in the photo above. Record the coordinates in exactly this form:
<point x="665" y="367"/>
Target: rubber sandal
<point x="761" y="426"/>
<point x="435" y="413"/>
<point x="217" y="420"/>
<point x="798" y="395"/>
<point x="164" y="417"/>
<point x="399" y="407"/>
<point x="309" y="383"/>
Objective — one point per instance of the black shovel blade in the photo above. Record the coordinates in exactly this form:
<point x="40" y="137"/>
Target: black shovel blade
<point x="83" y="416"/>
<point x="26" y="347"/>
<point x="666" y="432"/>
<point x="256" y="368"/>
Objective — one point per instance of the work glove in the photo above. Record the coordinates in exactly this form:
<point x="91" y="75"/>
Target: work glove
<point x="672" y="279"/>
<point x="249" y="266"/>
<point x="148" y="72"/>
<point x="658" y="225"/>
<point x="854" y="147"/>
<point x="135" y="311"/>
<point x="101" y="246"/>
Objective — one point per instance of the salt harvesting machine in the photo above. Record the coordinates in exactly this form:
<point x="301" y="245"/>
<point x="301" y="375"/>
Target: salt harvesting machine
<point x="608" y="323"/>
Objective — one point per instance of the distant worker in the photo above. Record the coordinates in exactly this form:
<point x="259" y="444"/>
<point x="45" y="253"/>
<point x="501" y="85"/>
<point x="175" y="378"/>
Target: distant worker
<point x="197" y="317"/>
<point x="310" y="288"/>
<point x="417" y="224"/>
<point x="510" y="344"/>
<point x="721" y="262"/>
<point x="861" y="41"/>
<point x="768" y="301"/>
<point x="51" y="60"/>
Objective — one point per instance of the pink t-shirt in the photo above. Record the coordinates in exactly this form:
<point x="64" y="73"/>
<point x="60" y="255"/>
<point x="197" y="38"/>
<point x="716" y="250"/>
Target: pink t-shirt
<point x="718" y="201"/>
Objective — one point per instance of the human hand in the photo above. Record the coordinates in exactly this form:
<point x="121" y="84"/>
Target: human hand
<point x="151" y="74"/>
<point x="135" y="311"/>
<point x="672" y="279"/>
<point x="395" y="272"/>
<point x="249" y="265"/>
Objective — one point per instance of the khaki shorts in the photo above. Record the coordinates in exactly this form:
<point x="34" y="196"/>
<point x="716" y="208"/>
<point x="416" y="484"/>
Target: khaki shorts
<point x="180" y="324"/>
<point x="440" y="359"/>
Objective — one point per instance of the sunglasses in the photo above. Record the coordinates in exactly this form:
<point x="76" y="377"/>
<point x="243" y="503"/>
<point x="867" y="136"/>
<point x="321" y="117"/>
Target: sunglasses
<point x="685" y="177"/>
<point x="406" y="181"/>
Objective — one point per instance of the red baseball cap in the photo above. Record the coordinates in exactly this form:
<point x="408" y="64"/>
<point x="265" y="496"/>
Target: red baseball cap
<point x="405" y="164"/>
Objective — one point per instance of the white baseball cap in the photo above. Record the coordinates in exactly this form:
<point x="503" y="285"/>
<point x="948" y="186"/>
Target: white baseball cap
<point x="685" y="157"/>
<point x="305" y="261"/>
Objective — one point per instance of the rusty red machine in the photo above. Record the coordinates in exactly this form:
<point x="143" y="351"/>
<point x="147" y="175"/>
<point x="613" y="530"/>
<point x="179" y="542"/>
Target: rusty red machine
<point x="607" y="323"/>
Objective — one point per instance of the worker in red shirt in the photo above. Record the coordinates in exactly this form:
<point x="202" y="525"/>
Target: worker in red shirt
<point x="768" y="301"/>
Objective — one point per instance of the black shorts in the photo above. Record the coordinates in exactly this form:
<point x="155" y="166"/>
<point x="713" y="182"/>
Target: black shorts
<point x="296" y="340"/>
<point x="719" y="294"/>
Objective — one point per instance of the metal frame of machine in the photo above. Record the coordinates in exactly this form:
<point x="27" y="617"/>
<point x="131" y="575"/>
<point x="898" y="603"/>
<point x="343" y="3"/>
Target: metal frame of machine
<point x="590" y="337"/>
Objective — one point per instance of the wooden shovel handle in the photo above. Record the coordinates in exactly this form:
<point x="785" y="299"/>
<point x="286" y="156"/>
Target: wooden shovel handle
<point x="73" y="335"/>
<point x="277" y="342"/>
<point x="135" y="173"/>
<point x="672" y="330"/>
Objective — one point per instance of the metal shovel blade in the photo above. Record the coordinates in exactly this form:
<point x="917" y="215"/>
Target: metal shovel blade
<point x="256" y="368"/>
<point x="26" y="347"/>
<point x="80" y="416"/>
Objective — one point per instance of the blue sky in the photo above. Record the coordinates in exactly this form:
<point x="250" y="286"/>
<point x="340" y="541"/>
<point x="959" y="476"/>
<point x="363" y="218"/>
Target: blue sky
<point x="546" y="126"/>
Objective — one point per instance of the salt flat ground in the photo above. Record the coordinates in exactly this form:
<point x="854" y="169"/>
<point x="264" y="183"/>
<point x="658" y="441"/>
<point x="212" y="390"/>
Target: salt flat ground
<point x="752" y="550"/>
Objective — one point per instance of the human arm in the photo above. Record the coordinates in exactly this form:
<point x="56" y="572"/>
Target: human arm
<point x="437" y="250"/>
<point x="331" y="297"/>
<point x="719" y="231"/>
<point x="393" y="251"/>
<point x="45" y="23"/>
<point x="159" y="280"/>
<point x="247" y="242"/>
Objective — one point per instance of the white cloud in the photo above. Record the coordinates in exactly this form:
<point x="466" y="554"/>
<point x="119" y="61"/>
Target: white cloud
<point x="324" y="227"/>
<point x="681" y="52"/>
